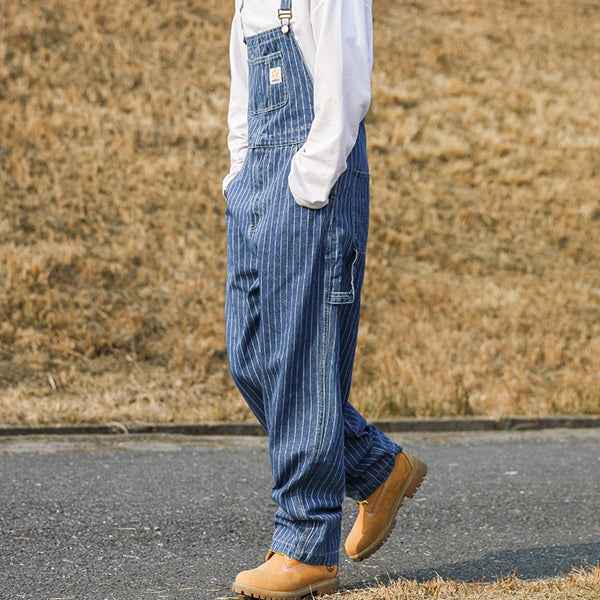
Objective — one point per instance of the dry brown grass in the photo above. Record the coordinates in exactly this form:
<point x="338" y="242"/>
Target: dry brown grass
<point x="483" y="288"/>
<point x="579" y="585"/>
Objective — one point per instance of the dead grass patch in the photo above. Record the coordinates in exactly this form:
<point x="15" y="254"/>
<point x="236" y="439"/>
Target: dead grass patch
<point x="579" y="585"/>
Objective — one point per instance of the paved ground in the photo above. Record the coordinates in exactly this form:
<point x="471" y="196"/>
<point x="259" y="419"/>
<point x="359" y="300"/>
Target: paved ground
<point x="175" y="518"/>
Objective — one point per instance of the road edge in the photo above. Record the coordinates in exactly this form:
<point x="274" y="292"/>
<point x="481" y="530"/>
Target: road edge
<point x="254" y="429"/>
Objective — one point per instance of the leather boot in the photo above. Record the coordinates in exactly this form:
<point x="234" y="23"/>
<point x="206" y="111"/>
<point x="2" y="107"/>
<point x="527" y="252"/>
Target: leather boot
<point x="377" y="514"/>
<point x="283" y="578"/>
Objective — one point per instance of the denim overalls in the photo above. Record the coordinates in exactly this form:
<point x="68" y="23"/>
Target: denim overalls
<point x="294" y="276"/>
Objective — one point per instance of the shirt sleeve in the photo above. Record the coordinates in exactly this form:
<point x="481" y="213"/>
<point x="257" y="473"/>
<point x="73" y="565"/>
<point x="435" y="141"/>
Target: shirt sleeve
<point x="343" y="33"/>
<point x="237" y="119"/>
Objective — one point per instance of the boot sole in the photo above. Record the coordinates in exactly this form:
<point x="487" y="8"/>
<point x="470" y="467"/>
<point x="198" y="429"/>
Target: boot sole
<point x="328" y="586"/>
<point x="413" y="483"/>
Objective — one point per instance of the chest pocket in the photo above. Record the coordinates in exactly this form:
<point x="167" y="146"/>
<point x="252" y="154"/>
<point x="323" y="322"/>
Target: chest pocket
<point x="268" y="84"/>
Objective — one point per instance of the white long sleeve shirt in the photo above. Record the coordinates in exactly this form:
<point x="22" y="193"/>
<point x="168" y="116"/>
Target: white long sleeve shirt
<point x="336" y="40"/>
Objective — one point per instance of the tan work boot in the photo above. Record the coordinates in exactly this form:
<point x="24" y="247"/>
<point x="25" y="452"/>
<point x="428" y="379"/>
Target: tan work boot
<point x="283" y="578"/>
<point x="377" y="514"/>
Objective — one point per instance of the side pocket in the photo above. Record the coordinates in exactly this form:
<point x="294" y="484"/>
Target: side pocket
<point x="230" y="184"/>
<point x="348" y="238"/>
<point x="360" y="209"/>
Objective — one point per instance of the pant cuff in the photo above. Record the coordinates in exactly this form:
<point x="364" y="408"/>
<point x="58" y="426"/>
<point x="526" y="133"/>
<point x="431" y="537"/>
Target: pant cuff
<point x="326" y="558"/>
<point x="371" y="479"/>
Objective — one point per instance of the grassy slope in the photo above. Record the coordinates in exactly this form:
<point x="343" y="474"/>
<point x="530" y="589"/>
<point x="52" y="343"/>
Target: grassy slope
<point x="483" y="290"/>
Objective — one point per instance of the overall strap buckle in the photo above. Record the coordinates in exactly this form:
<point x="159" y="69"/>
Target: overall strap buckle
<point x="285" y="16"/>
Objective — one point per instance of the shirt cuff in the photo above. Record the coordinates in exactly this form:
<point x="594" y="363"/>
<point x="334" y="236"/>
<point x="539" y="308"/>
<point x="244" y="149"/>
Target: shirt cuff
<point x="307" y="192"/>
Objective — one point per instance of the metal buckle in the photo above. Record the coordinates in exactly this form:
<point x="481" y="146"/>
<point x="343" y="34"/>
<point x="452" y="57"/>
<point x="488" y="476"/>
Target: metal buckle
<point x="285" y="16"/>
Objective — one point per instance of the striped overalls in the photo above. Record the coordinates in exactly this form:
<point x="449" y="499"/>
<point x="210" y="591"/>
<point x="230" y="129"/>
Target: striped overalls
<point x="294" y="277"/>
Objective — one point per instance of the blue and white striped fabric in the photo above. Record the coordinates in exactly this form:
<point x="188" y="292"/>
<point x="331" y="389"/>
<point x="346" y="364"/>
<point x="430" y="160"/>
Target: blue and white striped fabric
<point x="294" y="276"/>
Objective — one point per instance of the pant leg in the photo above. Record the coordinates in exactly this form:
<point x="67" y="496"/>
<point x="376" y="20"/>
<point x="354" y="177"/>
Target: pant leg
<point x="242" y="306"/>
<point x="304" y="419"/>
<point x="369" y="455"/>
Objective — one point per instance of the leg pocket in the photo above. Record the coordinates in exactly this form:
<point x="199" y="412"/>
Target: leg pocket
<point x="351" y="280"/>
<point x="347" y="239"/>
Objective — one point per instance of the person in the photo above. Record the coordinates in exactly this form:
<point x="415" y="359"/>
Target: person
<point x="297" y="212"/>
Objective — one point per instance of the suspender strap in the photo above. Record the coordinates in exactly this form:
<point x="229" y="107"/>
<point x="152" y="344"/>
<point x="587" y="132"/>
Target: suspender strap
<point x="285" y="15"/>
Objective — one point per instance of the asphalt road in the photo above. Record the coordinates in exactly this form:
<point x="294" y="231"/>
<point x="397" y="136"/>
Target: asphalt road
<point x="171" y="517"/>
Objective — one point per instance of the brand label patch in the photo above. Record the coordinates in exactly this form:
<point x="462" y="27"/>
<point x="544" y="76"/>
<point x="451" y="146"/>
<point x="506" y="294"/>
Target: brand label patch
<point x="275" y="75"/>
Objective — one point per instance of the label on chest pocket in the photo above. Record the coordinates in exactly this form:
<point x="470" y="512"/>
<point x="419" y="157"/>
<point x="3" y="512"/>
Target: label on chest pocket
<point x="268" y="83"/>
<point x="275" y="75"/>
